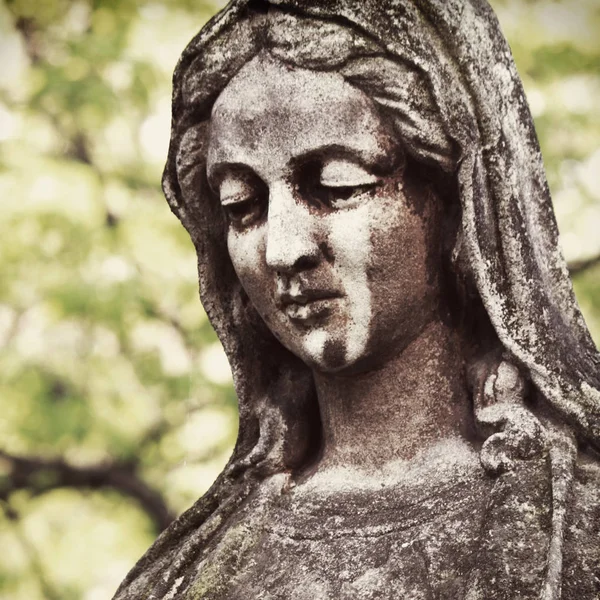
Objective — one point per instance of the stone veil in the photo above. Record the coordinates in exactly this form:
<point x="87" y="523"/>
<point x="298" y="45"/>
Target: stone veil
<point x="535" y="379"/>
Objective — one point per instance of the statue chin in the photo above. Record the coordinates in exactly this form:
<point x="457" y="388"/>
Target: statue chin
<point x="329" y="354"/>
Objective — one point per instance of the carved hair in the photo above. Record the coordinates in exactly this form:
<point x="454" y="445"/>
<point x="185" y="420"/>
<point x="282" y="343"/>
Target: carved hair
<point x="446" y="93"/>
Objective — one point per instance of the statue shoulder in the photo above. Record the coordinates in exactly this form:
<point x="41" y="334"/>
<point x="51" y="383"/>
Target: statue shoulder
<point x="198" y="555"/>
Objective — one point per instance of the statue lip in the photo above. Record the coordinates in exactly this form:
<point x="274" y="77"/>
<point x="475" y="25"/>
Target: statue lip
<point x="306" y="296"/>
<point x="309" y="306"/>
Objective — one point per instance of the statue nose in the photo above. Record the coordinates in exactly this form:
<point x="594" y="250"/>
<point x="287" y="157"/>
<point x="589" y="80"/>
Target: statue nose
<point x="291" y="233"/>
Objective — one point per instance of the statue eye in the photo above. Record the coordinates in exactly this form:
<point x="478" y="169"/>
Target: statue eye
<point x="337" y="183"/>
<point x="342" y="196"/>
<point x="244" y="202"/>
<point x="243" y="213"/>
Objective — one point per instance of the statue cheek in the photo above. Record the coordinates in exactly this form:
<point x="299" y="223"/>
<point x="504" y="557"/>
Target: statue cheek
<point x="247" y="253"/>
<point x="350" y="241"/>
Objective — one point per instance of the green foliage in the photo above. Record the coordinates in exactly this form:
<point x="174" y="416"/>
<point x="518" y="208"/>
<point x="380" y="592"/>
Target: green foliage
<point x="110" y="370"/>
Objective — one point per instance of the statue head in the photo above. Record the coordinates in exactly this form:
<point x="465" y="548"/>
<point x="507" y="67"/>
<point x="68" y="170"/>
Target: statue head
<point x="434" y="196"/>
<point x="335" y="242"/>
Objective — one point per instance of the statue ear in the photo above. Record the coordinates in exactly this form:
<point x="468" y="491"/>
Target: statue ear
<point x="511" y="429"/>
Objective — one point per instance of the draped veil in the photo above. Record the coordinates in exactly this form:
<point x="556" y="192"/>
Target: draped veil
<point x="508" y="238"/>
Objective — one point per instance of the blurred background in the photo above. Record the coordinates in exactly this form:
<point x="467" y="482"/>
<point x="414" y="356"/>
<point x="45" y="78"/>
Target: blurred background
<point x="116" y="406"/>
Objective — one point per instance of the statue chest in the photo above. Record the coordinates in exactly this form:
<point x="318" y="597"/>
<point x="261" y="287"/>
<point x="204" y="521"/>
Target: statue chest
<point x="448" y="534"/>
<point x="396" y="541"/>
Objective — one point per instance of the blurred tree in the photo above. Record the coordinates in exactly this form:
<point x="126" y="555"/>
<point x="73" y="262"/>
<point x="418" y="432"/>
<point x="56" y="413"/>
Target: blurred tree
<point x="117" y="408"/>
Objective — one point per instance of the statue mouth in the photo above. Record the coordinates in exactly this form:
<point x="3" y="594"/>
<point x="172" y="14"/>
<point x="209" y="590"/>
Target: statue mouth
<point x="309" y="306"/>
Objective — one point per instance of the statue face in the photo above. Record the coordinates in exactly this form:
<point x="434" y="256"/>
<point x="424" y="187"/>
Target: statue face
<point x="324" y="231"/>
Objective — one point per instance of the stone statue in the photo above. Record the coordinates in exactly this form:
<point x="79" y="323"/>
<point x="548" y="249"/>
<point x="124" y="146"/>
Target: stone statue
<point x="419" y="396"/>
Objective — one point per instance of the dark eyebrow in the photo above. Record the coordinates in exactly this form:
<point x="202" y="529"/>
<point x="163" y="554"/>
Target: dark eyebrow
<point x="380" y="164"/>
<point x="220" y="170"/>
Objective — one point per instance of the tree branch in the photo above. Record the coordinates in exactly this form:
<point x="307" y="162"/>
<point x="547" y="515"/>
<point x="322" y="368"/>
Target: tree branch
<point x="41" y="475"/>
<point x="579" y="266"/>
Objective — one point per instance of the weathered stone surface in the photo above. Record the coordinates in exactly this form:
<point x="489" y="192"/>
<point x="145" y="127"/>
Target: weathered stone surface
<point x="419" y="395"/>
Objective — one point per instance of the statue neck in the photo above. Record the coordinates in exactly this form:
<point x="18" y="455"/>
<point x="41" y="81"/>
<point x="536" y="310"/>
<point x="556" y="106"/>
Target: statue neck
<point x="416" y="399"/>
